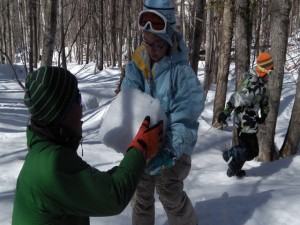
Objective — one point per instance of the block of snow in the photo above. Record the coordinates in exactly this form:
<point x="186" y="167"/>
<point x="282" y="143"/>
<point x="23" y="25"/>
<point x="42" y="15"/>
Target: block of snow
<point x="124" y="116"/>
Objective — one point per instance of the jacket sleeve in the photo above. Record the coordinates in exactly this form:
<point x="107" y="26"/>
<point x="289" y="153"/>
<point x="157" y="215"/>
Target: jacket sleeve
<point x="133" y="78"/>
<point x="264" y="106"/>
<point x="242" y="97"/>
<point x="90" y="192"/>
<point x="185" y="108"/>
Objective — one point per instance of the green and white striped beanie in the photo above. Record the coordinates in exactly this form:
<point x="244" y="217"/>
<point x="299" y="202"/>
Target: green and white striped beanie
<point x="49" y="94"/>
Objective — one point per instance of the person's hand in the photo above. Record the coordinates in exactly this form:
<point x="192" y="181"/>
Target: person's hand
<point x="163" y="160"/>
<point x="148" y="139"/>
<point x="222" y="117"/>
<point x="261" y="119"/>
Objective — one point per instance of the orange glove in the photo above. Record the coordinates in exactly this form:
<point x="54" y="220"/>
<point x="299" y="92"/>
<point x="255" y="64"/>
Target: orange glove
<point x="148" y="140"/>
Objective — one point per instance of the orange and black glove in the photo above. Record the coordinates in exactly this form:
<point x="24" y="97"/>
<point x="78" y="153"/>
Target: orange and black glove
<point x="148" y="139"/>
<point x="222" y="118"/>
<point x="261" y="120"/>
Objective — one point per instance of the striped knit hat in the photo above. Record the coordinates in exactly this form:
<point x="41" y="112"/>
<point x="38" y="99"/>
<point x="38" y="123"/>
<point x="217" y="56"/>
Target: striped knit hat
<point x="264" y="64"/>
<point x="49" y="94"/>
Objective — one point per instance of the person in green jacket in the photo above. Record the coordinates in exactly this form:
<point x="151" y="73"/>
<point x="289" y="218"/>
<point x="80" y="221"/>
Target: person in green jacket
<point x="55" y="186"/>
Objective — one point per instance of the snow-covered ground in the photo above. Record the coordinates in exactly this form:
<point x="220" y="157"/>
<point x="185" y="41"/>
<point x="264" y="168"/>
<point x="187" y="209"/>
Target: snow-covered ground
<point x="269" y="195"/>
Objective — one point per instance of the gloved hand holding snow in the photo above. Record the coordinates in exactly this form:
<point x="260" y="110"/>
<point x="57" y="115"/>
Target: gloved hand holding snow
<point x="124" y="116"/>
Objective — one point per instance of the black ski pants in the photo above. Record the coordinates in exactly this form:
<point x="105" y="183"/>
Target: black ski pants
<point x="250" y="142"/>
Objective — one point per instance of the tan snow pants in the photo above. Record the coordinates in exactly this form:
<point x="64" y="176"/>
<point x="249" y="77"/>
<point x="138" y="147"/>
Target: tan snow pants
<point x="169" y="187"/>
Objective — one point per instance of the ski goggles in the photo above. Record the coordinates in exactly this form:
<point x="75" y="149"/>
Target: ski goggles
<point x="153" y="19"/>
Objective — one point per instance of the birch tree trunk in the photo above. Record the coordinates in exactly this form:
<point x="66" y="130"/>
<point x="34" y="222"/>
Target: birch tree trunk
<point x="292" y="137"/>
<point x="243" y="44"/>
<point x="2" y="56"/>
<point x="62" y="35"/>
<point x="197" y="36"/>
<point x="10" y="51"/>
<point x="264" y="35"/>
<point x="30" y="24"/>
<point x="36" y="29"/>
<point x="128" y="30"/>
<point x="182" y="17"/>
<point x="209" y="44"/>
<point x="242" y="38"/>
<point x="50" y="9"/>
<point x="113" y="32"/>
<point x="279" y="30"/>
<point x="225" y="55"/>
<point x="121" y="31"/>
<point x="101" y="31"/>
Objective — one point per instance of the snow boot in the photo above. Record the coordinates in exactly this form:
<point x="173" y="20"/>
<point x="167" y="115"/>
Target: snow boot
<point x="235" y="158"/>
<point x="229" y="173"/>
<point x="239" y="174"/>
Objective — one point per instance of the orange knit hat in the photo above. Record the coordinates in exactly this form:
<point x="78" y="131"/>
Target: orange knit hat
<point x="264" y="64"/>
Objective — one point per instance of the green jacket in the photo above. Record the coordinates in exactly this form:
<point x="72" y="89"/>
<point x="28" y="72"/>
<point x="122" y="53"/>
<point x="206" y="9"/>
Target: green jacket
<point x="55" y="186"/>
<point x="250" y="98"/>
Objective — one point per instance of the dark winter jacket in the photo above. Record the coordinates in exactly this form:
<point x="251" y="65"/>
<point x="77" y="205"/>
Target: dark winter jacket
<point x="56" y="186"/>
<point x="247" y="102"/>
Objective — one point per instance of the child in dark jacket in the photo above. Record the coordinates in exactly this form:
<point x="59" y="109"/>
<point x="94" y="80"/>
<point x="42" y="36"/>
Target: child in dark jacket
<point x="247" y="102"/>
<point x="55" y="186"/>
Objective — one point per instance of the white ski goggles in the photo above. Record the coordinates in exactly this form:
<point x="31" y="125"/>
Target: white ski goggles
<point x="153" y="19"/>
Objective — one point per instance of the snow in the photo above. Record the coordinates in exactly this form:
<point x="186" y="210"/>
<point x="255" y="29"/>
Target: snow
<point x="270" y="194"/>
<point x="124" y="116"/>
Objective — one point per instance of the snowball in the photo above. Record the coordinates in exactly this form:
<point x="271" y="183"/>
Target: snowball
<point x="125" y="115"/>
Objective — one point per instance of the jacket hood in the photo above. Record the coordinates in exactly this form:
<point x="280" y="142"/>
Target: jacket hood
<point x="57" y="135"/>
<point x="178" y="55"/>
<point x="167" y="9"/>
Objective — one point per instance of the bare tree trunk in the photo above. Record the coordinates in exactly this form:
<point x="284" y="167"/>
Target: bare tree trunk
<point x="264" y="40"/>
<point x="242" y="49"/>
<point x="294" y="17"/>
<point x="129" y="34"/>
<point x="197" y="37"/>
<point x="243" y="38"/>
<point x="225" y="55"/>
<point x="22" y="47"/>
<point x="62" y="35"/>
<point x="10" y="51"/>
<point x="279" y="29"/>
<point x="182" y="18"/>
<point x="35" y="33"/>
<point x="113" y="33"/>
<point x="292" y="137"/>
<point x="2" y="57"/>
<point x="218" y="33"/>
<point x="121" y="31"/>
<point x="88" y="43"/>
<point x="209" y="43"/>
<point x="257" y="17"/>
<point x="297" y="15"/>
<point x="50" y="9"/>
<point x="31" y="28"/>
<point x="101" y="38"/>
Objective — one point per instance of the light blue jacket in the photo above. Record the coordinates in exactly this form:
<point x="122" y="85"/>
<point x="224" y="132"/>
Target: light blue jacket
<point x="174" y="83"/>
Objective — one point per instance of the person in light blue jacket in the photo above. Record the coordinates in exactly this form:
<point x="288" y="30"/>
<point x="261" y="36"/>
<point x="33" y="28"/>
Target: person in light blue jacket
<point x="160" y="68"/>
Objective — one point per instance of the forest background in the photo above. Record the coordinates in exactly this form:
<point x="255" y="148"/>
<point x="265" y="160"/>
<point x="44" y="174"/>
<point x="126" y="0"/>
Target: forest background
<point x="220" y="32"/>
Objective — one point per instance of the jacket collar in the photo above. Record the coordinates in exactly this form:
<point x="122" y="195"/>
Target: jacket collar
<point x="58" y="135"/>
